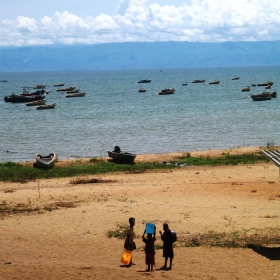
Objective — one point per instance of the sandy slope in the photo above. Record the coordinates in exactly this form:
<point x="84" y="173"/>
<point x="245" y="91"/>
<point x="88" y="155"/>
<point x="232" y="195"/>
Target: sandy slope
<point x="71" y="243"/>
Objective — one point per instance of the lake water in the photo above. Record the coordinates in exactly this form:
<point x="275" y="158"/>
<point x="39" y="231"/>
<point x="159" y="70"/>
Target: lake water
<point x="113" y="112"/>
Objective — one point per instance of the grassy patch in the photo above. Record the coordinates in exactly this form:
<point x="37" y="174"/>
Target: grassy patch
<point x="119" y="232"/>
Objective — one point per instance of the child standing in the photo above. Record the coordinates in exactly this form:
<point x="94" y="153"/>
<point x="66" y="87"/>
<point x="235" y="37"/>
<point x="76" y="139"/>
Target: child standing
<point x="150" y="249"/>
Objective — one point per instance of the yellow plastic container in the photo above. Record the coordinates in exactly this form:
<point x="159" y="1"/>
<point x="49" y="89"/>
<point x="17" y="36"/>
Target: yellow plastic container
<point x="126" y="256"/>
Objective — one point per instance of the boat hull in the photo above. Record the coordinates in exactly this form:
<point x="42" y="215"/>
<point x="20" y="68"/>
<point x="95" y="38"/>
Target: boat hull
<point x="45" y="161"/>
<point x="122" y="157"/>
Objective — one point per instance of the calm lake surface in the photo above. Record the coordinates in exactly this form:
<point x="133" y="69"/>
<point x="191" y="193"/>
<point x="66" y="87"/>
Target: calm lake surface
<point x="113" y="112"/>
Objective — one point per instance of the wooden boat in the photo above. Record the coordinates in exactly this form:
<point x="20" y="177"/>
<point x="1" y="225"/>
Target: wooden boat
<point x="26" y="96"/>
<point x="47" y="106"/>
<point x="167" y="91"/>
<point x="265" y="84"/>
<point x="66" y="89"/>
<point x="36" y="102"/>
<point x="214" y="83"/>
<point x="79" y="94"/>
<point x="122" y="157"/>
<point x="73" y="91"/>
<point x="142" y="90"/>
<point x="59" y="85"/>
<point x="144" y="81"/>
<point x="235" y="78"/>
<point x="261" y="96"/>
<point x="39" y="87"/>
<point x="198" y="81"/>
<point x="246" y="89"/>
<point x="45" y="161"/>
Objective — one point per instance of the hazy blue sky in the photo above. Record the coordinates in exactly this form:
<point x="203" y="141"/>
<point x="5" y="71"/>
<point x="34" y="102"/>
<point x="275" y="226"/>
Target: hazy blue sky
<point x="38" y="22"/>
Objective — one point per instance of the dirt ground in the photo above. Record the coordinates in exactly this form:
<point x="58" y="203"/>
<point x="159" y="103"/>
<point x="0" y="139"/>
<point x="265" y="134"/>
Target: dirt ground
<point x="63" y="235"/>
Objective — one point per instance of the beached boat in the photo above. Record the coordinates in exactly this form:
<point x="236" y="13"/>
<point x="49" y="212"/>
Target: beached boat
<point x="144" y="81"/>
<point x="235" y="78"/>
<point x="198" y="81"/>
<point x="246" y="89"/>
<point x="59" y="85"/>
<point x="167" y="91"/>
<point x="45" y="161"/>
<point x="36" y="102"/>
<point x="79" y="94"/>
<point x="214" y="83"/>
<point x="142" y="90"/>
<point x="122" y="157"/>
<point x="47" y="106"/>
<point x="66" y="89"/>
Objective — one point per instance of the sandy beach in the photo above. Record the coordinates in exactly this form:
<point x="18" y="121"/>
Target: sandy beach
<point x="64" y="235"/>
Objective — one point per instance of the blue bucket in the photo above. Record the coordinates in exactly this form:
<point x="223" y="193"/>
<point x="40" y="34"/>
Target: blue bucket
<point x="150" y="228"/>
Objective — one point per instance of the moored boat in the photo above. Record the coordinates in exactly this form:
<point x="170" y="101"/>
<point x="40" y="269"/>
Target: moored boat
<point x="79" y="94"/>
<point x="198" y="81"/>
<point x="144" y="81"/>
<point x="66" y="89"/>
<point x="235" y="78"/>
<point x="214" y="83"/>
<point x="73" y="91"/>
<point x="246" y="89"/>
<point x="47" y="106"/>
<point x="26" y="96"/>
<point x="36" y="102"/>
<point x="39" y="86"/>
<point x="261" y="96"/>
<point x="59" y="85"/>
<point x="45" y="161"/>
<point x="167" y="91"/>
<point x="265" y="84"/>
<point x="142" y="90"/>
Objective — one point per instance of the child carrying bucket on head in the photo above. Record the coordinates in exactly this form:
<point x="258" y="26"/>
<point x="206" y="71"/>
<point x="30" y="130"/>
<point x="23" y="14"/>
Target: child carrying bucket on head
<point x="150" y="248"/>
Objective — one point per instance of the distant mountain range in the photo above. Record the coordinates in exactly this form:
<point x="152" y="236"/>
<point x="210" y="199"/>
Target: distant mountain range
<point x="155" y="55"/>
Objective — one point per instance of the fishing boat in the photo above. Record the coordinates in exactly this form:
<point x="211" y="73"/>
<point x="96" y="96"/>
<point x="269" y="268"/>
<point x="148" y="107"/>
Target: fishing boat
<point x="39" y="86"/>
<point x="26" y="96"/>
<point x="121" y="157"/>
<point x="167" y="91"/>
<point x="198" y="81"/>
<point x="265" y="84"/>
<point x="79" y="94"/>
<point x="47" y="106"/>
<point x="142" y="90"/>
<point x="261" y="96"/>
<point x="144" y="81"/>
<point x="214" y="83"/>
<point x="36" y="102"/>
<point x="235" y="78"/>
<point x="246" y="89"/>
<point x="45" y="161"/>
<point x="73" y="91"/>
<point x="59" y="85"/>
<point x="66" y="89"/>
<point x="184" y="84"/>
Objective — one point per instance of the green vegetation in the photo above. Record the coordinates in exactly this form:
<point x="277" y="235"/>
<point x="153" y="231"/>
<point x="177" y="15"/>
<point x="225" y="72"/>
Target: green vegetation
<point x="226" y="159"/>
<point x="16" y="172"/>
<point x="119" y="232"/>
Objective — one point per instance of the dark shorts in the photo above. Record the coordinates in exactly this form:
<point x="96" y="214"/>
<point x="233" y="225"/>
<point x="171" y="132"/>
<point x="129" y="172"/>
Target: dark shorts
<point x="150" y="258"/>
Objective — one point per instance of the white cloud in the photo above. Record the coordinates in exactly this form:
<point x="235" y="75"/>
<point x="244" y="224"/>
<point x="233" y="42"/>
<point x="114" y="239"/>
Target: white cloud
<point x="143" y="20"/>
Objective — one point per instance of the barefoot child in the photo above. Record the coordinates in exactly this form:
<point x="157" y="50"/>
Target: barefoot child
<point x="150" y="249"/>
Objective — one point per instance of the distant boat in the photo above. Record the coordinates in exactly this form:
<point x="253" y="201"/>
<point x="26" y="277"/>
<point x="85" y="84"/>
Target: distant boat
<point x="26" y="96"/>
<point x="214" y="83"/>
<point x="45" y="161"/>
<point x="73" y="91"/>
<point x="121" y="157"/>
<point x="167" y="91"/>
<point x="144" y="81"/>
<point x="47" y="106"/>
<point x="58" y="85"/>
<point x="4" y="81"/>
<point x="185" y="84"/>
<point x="39" y="87"/>
<point x="198" y="81"/>
<point x="261" y="96"/>
<point x="265" y="84"/>
<point x="246" y="89"/>
<point x="142" y="90"/>
<point x="66" y="89"/>
<point x="235" y="78"/>
<point x="79" y="94"/>
<point x="36" y="102"/>
<point x="268" y="87"/>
